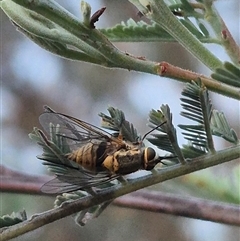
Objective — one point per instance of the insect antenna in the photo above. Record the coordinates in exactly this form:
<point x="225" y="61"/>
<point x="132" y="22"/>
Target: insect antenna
<point x="153" y="130"/>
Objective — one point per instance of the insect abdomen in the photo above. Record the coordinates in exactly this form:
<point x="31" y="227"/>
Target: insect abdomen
<point x="90" y="156"/>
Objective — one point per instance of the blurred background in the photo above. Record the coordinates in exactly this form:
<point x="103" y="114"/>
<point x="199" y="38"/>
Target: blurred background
<point x="32" y="77"/>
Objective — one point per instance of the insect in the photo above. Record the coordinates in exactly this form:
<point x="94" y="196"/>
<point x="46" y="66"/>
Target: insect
<point x="100" y="156"/>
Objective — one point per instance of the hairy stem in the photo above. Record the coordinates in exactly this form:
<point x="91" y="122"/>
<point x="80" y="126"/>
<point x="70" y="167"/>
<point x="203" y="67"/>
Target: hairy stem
<point x="161" y="14"/>
<point x="168" y="70"/>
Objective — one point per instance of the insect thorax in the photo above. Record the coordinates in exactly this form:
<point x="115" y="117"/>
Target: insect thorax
<point x="124" y="161"/>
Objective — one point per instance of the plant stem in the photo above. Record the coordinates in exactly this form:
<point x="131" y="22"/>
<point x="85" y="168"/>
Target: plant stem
<point x="161" y="14"/>
<point x="96" y="48"/>
<point x="222" y="32"/>
<point x="113" y="192"/>
<point x="154" y="201"/>
<point x="168" y="70"/>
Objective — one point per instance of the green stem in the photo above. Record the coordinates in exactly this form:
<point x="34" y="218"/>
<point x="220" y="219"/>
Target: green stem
<point x="95" y="45"/>
<point x="204" y="99"/>
<point x="222" y="32"/>
<point x="111" y="193"/>
<point x="28" y="16"/>
<point x="111" y="56"/>
<point x="161" y="14"/>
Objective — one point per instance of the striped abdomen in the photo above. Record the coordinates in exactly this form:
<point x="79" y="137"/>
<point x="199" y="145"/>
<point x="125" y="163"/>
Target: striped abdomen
<point x="90" y="156"/>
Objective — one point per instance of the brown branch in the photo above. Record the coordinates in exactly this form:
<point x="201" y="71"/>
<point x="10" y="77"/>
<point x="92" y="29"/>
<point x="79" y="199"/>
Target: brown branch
<point x="17" y="182"/>
<point x="190" y="207"/>
<point x="152" y="201"/>
<point x="68" y="208"/>
<point x="168" y="70"/>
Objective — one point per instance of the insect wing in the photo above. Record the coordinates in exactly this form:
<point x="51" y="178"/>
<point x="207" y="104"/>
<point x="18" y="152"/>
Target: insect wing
<point x="76" y="133"/>
<point x="75" y="180"/>
<point x="73" y="130"/>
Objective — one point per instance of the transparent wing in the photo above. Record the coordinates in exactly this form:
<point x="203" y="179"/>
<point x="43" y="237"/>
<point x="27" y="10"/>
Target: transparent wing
<point x="72" y="133"/>
<point x="75" y="131"/>
<point x="75" y="180"/>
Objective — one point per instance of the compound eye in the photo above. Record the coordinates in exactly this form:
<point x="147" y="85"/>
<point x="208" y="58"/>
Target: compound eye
<point x="149" y="158"/>
<point x="149" y="154"/>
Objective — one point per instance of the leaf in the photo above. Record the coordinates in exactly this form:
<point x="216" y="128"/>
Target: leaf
<point x="166" y="139"/>
<point x="198" y="108"/>
<point x="228" y="74"/>
<point x="84" y="216"/>
<point x="191" y="151"/>
<point x="54" y="149"/>
<point x="14" y="218"/>
<point x="141" y="31"/>
<point x="192" y="28"/>
<point x="220" y="127"/>
<point x="117" y="122"/>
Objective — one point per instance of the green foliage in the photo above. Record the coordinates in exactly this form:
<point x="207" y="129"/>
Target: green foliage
<point x="141" y="31"/>
<point x="162" y="29"/>
<point x="189" y="23"/>
<point x="220" y="127"/>
<point x="59" y="32"/>
<point x="132" y="31"/>
<point x="14" y="218"/>
<point x="198" y="108"/>
<point x="82" y="217"/>
<point x="228" y="74"/>
<point x="219" y="187"/>
<point x="117" y="122"/>
<point x="161" y="140"/>
<point x="166" y="139"/>
<point x="54" y="150"/>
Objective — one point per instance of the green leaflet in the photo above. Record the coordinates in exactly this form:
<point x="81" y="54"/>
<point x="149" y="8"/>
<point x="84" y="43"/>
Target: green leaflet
<point x="198" y="108"/>
<point x="117" y="122"/>
<point x="140" y="31"/>
<point x="220" y="127"/>
<point x="228" y="74"/>
<point x="14" y="218"/>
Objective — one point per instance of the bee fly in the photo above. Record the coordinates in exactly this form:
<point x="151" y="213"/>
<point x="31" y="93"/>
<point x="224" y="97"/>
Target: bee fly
<point x="101" y="157"/>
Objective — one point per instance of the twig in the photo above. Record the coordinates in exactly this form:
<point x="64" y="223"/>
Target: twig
<point x="191" y="207"/>
<point x="159" y="12"/>
<point x="17" y="182"/>
<point x="90" y="45"/>
<point x="222" y="32"/>
<point x="184" y="75"/>
<point x="116" y="191"/>
<point x="153" y="201"/>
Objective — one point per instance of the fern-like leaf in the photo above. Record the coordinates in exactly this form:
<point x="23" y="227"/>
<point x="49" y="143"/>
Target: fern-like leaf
<point x="198" y="107"/>
<point x="220" y="127"/>
<point x="86" y="215"/>
<point x="54" y="150"/>
<point x="188" y="14"/>
<point x="117" y="122"/>
<point x="141" y="31"/>
<point x="166" y="139"/>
